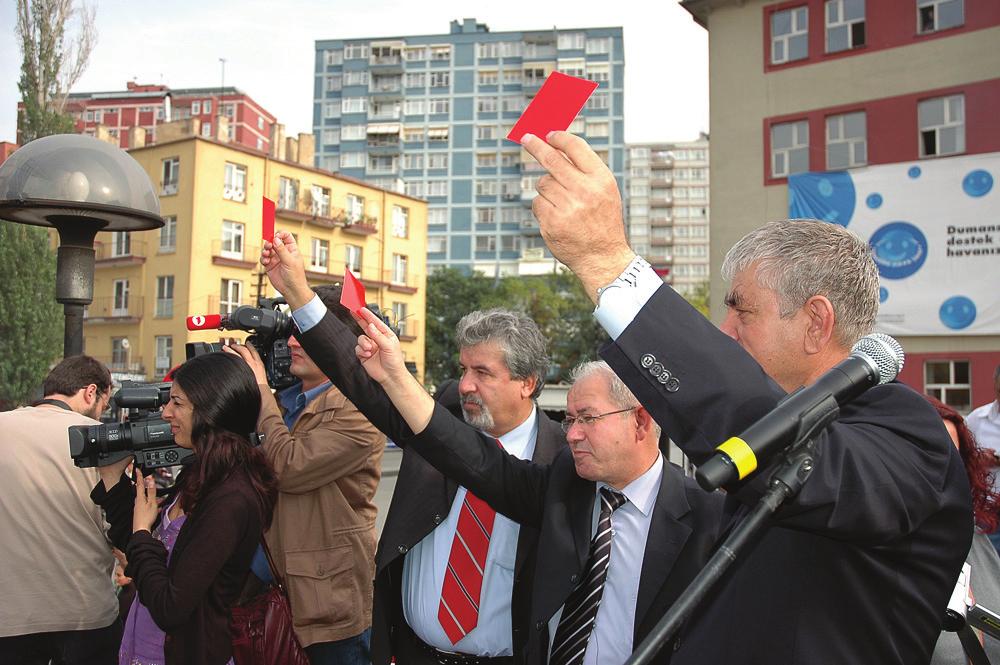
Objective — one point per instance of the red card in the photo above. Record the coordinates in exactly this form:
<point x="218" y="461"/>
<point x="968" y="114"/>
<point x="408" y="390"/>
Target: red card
<point x="353" y="294"/>
<point x="268" y="219"/>
<point x="558" y="101"/>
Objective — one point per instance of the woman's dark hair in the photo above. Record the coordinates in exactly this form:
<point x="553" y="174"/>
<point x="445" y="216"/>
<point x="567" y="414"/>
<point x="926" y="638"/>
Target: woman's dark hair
<point x="225" y="403"/>
<point x="978" y="462"/>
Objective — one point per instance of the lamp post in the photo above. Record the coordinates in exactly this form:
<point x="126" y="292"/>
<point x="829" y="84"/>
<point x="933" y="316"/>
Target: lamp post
<point x="79" y="186"/>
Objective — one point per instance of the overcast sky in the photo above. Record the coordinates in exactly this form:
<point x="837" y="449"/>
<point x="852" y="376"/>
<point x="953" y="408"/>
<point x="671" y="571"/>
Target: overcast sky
<point x="269" y="49"/>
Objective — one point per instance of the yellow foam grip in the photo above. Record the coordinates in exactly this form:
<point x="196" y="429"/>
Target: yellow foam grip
<point x="741" y="454"/>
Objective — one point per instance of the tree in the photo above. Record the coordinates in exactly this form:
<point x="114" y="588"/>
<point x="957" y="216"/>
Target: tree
<point x="699" y="298"/>
<point x="52" y="63"/>
<point x="451" y="294"/>
<point x="30" y="318"/>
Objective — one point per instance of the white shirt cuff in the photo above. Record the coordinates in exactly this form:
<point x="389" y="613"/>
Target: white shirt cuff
<point x="310" y="314"/>
<point x="620" y="303"/>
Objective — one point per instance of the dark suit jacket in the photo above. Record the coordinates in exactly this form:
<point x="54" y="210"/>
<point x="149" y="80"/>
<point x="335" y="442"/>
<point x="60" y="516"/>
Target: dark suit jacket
<point x="422" y="498"/>
<point x="859" y="567"/>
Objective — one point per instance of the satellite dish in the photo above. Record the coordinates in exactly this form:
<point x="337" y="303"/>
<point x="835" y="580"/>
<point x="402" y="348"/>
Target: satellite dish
<point x="125" y="344"/>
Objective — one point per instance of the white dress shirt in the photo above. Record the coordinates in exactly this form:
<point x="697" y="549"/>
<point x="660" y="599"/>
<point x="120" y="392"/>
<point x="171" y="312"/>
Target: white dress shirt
<point x="618" y="306"/>
<point x="611" y="640"/>
<point x="984" y="423"/>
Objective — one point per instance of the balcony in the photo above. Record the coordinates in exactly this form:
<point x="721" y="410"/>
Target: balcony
<point x="660" y="201"/>
<point x="660" y="222"/>
<point x="236" y="255"/>
<point x="386" y="88"/>
<point x="129" y="364"/>
<point x="529" y="226"/>
<point x="361" y="225"/>
<point x="383" y="114"/>
<point x="657" y="180"/>
<point x="662" y="159"/>
<point x="115" y="253"/>
<point x="168" y="188"/>
<point x="386" y="63"/>
<point x="112" y="310"/>
<point x="661" y="241"/>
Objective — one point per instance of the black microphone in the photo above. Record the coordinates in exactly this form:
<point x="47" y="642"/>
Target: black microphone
<point x="874" y="360"/>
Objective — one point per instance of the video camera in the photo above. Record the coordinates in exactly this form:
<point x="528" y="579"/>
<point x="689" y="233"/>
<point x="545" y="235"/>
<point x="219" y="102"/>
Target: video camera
<point x="144" y="434"/>
<point x="271" y="329"/>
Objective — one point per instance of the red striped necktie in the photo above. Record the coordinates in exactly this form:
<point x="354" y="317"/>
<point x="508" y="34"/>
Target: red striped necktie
<point x="458" y="612"/>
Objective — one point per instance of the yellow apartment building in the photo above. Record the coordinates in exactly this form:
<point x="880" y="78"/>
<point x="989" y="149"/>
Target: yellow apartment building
<point x="205" y="258"/>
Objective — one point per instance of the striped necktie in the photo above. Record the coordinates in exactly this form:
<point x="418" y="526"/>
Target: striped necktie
<point x="458" y="612"/>
<point x="580" y="610"/>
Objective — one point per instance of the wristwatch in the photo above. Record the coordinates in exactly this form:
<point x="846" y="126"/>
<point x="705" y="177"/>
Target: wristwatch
<point x="629" y="277"/>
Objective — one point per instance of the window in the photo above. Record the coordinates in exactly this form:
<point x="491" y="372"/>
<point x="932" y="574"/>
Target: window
<point x="573" y="67"/>
<point x="486" y="216"/>
<point x="413" y="161"/>
<point x="231" y="296"/>
<point x="119" y="354"/>
<point x="488" y="50"/>
<point x="206" y="106"/>
<point x="165" y="296"/>
<point x="571" y="40"/>
<point x="333" y="82"/>
<point x="415" y="80"/>
<point x="320" y="200"/>
<point x="416" y="189"/>
<point x="355" y="78"/>
<point x="352" y="258"/>
<point x="195" y="108"/>
<point x="330" y="110"/>
<point x="232" y="239"/>
<point x="846" y="144"/>
<point x="382" y="164"/>
<point x="511" y="49"/>
<point x="168" y="234"/>
<point x="413" y="53"/>
<point x="399" y="315"/>
<point x="512" y="103"/>
<point x="437" y="244"/>
<point x="845" y="25"/>
<point x="948" y="380"/>
<point x="354" y="105"/>
<point x="437" y="160"/>
<point x="598" y="129"/>
<point x="206" y="129"/>
<point x="120" y="304"/>
<point x="486" y="105"/>
<point x="399" y="268"/>
<point x="488" y="77"/>
<point x="942" y="125"/>
<point x="352" y="160"/>
<point x="599" y="72"/>
<point x="171" y="175"/>
<point x="331" y="136"/>
<point x="400" y="222"/>
<point x="486" y="160"/>
<point x="334" y="57"/>
<point x="597" y="45"/>
<point x="933" y="15"/>
<point x="509" y="243"/>
<point x="355" y="208"/>
<point x="320" y="259"/>
<point x="121" y="243"/>
<point x="512" y="76"/>
<point x="413" y="107"/>
<point x="353" y="133"/>
<point x="442" y="52"/>
<point x="355" y="51"/>
<point x="789" y="35"/>
<point x="440" y="79"/>
<point x="486" y="188"/>
<point x="437" y="134"/>
<point x="413" y="134"/>
<point x="437" y="216"/>
<point x="789" y="148"/>
<point x="439" y="105"/>
<point x="486" y="243"/>
<point x="235" y="182"/>
<point x="164" y="354"/>
<point x="486" y="132"/>
<point x="437" y="188"/>
<point x="510" y="159"/>
<point x="288" y="193"/>
<point x="598" y="100"/>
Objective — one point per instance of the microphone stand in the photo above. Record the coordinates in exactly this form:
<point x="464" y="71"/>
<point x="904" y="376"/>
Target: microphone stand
<point x="786" y="482"/>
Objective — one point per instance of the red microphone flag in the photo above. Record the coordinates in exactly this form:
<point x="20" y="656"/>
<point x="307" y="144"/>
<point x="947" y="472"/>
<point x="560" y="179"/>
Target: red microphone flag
<point x="352" y="296"/>
<point x="204" y="322"/>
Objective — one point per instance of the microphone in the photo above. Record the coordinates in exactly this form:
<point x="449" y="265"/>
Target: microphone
<point x="204" y="322"/>
<point x="875" y="359"/>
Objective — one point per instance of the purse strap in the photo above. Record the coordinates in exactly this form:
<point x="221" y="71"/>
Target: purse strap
<point x="270" y="562"/>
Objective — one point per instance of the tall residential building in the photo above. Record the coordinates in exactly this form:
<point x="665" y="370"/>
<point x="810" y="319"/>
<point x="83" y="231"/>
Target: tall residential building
<point x="853" y="88"/>
<point x="668" y="209"/>
<point x="247" y="123"/>
<point x="428" y="115"/>
<point x="205" y="259"/>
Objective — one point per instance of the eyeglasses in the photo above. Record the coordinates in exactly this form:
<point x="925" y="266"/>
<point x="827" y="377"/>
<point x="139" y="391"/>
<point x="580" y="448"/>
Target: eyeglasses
<point x="587" y="420"/>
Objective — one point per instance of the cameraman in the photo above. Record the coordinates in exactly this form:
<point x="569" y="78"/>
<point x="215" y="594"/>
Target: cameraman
<point x="328" y="460"/>
<point x="58" y="600"/>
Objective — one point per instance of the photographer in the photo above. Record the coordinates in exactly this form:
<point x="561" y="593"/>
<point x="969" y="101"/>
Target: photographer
<point x="189" y="569"/>
<point x="58" y="600"/>
<point x="328" y="460"/>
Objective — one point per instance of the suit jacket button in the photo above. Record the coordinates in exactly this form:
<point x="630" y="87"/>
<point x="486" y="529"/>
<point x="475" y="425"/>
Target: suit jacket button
<point x="656" y="369"/>
<point x="437" y="519"/>
<point x="647" y="360"/>
<point x="402" y="549"/>
<point x="673" y="385"/>
<point x="573" y="578"/>
<point x="664" y="376"/>
<point x="538" y="625"/>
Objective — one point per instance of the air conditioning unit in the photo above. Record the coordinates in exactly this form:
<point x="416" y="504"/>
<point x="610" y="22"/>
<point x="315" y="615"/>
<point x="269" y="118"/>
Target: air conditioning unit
<point x="533" y="253"/>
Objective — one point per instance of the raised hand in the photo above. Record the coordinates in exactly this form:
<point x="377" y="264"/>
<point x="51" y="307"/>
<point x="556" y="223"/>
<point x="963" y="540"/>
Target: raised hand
<point x="285" y="269"/>
<point x="121" y="579"/>
<point x="378" y="350"/>
<point x="252" y="358"/>
<point x="579" y="209"/>
<point x="146" y="505"/>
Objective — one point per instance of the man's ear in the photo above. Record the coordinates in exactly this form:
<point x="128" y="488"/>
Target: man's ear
<point x="644" y="421"/>
<point x="820" y="320"/>
<point x="528" y="386"/>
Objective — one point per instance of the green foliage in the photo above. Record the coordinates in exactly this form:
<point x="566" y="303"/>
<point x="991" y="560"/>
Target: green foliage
<point x="556" y="302"/>
<point x="699" y="298"/>
<point x="31" y="322"/>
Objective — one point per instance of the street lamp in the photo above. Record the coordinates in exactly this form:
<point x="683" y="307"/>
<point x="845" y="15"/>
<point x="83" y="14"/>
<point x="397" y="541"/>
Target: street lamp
<point x="79" y="186"/>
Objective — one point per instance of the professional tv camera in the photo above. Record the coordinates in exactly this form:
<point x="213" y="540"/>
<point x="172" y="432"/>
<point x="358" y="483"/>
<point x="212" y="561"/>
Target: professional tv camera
<point x="271" y="329"/>
<point x="144" y="434"/>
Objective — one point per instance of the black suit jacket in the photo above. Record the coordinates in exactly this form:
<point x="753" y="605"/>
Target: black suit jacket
<point x="422" y="498"/>
<point x="554" y="499"/>
<point x="858" y="568"/>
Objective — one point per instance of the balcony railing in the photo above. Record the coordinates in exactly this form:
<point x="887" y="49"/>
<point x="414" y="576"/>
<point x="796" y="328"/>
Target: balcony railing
<point x="238" y="252"/>
<point x="133" y="251"/>
<point x="129" y="364"/>
<point x="114" y="309"/>
<point x="215" y="306"/>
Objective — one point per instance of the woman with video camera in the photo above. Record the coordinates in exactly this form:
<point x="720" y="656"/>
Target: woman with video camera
<point x="189" y="560"/>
